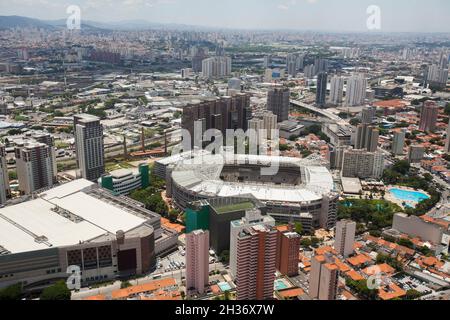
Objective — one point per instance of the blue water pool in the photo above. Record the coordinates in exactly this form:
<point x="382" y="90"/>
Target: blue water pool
<point x="280" y="285"/>
<point x="224" y="286"/>
<point x="406" y="195"/>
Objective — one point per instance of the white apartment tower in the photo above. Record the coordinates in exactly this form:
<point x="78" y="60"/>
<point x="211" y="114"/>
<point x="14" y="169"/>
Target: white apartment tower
<point x="336" y="90"/>
<point x="356" y="90"/>
<point x="345" y="237"/>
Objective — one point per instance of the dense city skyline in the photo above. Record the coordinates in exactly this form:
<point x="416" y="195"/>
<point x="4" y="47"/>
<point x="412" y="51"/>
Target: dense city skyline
<point x="316" y="15"/>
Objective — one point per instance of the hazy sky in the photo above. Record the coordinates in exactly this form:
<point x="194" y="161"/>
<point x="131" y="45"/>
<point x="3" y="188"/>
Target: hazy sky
<point x="337" y="15"/>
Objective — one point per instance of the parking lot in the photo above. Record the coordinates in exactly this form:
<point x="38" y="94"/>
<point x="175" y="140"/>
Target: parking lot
<point x="411" y="283"/>
<point x="175" y="261"/>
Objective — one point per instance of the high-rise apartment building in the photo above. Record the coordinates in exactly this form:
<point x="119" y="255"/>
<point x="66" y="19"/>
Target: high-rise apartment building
<point x="416" y="153"/>
<point x="34" y="164"/>
<point x="320" y="65"/>
<point x="309" y="71"/>
<point x="89" y="146"/>
<point x="356" y="90"/>
<point x="323" y="278"/>
<point x="287" y="251"/>
<point x="362" y="164"/>
<point x="437" y="75"/>
<point x="216" y="67"/>
<point x="398" y="142"/>
<point x="49" y="140"/>
<point x="368" y="114"/>
<point x="336" y="90"/>
<point x="5" y="190"/>
<point x="278" y="102"/>
<point x="367" y="138"/>
<point x="345" y="237"/>
<point x="218" y="113"/>
<point x="256" y="259"/>
<point x="199" y="54"/>
<point x="428" y="116"/>
<point x="321" y="93"/>
<point x="270" y="123"/>
<point x="252" y="218"/>
<point x="197" y="261"/>
<point x="294" y="62"/>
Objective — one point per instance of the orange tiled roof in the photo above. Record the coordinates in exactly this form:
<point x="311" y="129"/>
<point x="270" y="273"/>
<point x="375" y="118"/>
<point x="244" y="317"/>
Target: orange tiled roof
<point x="148" y="287"/>
<point x="341" y="265"/>
<point x="291" y="293"/>
<point x="358" y="260"/>
<point x="394" y="292"/>
<point x="384" y="268"/>
<point x="174" y="226"/>
<point x="355" y="276"/>
<point x="99" y="297"/>
<point x="326" y="249"/>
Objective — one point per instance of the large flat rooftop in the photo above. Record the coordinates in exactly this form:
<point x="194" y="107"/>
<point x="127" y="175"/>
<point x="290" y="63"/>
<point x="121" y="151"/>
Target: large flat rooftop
<point x="64" y="216"/>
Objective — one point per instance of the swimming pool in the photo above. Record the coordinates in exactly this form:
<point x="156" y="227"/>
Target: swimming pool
<point x="224" y="286"/>
<point x="408" y="196"/>
<point x="280" y="285"/>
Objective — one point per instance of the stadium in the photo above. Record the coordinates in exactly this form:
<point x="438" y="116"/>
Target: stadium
<point x="302" y="190"/>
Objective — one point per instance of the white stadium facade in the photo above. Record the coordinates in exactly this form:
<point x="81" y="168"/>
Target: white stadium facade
<point x="302" y="190"/>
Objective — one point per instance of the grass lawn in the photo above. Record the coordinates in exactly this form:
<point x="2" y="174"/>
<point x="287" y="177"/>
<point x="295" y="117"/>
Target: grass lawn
<point x="234" y="207"/>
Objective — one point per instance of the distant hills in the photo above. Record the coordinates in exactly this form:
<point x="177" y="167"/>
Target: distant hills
<point x="10" y="22"/>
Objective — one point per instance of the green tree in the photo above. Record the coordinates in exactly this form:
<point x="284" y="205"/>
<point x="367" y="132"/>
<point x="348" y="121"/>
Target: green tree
<point x="299" y="228"/>
<point x="10" y="293"/>
<point x="58" y="291"/>
<point x="225" y="256"/>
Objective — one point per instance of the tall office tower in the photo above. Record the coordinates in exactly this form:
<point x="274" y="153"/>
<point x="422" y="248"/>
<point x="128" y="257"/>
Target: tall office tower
<point x="362" y="164"/>
<point x="218" y="113"/>
<point x="367" y="138"/>
<point x="278" y="102"/>
<point x="447" y="140"/>
<point x="320" y="65"/>
<point x="356" y="90"/>
<point x="256" y="125"/>
<point x="197" y="261"/>
<point x="48" y="139"/>
<point x="267" y="61"/>
<point x="216" y="67"/>
<point x="416" y="153"/>
<point x="89" y="146"/>
<point x="197" y="59"/>
<point x="321" y="93"/>
<point x="323" y="278"/>
<point x="368" y="114"/>
<point x="288" y="246"/>
<point x="345" y="237"/>
<point x="5" y="190"/>
<point x="309" y="71"/>
<point x="252" y="218"/>
<point x="429" y="116"/>
<point x="34" y="164"/>
<point x="336" y="90"/>
<point x="398" y="142"/>
<point x="270" y="123"/>
<point x="256" y="248"/>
